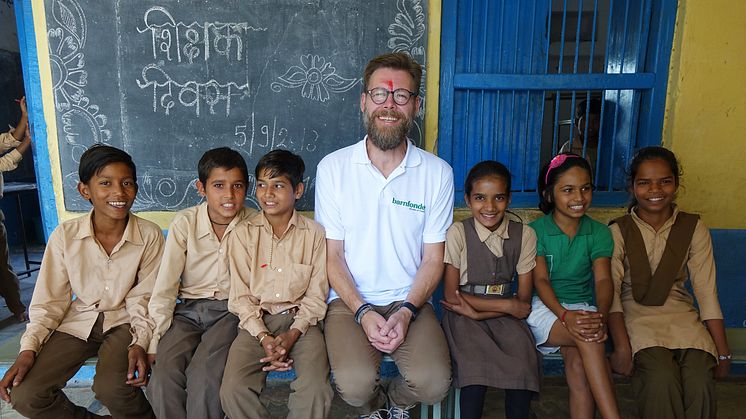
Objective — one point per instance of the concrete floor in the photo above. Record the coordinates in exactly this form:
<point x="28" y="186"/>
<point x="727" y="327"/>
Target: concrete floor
<point x="552" y="403"/>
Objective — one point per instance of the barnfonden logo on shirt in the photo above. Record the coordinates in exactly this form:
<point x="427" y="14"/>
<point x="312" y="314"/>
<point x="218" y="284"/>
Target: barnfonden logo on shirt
<point x="409" y="204"/>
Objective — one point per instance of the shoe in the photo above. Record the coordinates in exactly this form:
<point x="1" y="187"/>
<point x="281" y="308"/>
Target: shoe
<point x="396" y="412"/>
<point x="378" y="414"/>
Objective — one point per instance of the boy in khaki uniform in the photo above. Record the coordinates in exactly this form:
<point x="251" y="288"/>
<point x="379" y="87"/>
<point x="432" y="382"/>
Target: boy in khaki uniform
<point x="278" y="291"/>
<point x="108" y="260"/>
<point x="192" y="338"/>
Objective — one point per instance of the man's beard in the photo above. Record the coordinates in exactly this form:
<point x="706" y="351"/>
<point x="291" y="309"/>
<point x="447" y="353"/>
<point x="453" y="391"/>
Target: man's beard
<point x="387" y="138"/>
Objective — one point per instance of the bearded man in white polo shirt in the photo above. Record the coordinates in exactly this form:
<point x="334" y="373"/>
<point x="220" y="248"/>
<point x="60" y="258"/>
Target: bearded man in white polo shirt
<point x="386" y="206"/>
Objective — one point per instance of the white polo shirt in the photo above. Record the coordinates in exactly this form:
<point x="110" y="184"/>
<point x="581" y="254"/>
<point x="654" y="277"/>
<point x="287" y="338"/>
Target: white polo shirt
<point x="384" y="222"/>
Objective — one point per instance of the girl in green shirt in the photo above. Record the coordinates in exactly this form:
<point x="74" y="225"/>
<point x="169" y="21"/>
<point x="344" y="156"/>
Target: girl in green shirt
<point x="572" y="249"/>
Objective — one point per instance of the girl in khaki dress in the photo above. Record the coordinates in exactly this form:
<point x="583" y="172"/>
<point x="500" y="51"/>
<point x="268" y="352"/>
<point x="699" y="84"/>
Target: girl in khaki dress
<point x="672" y="350"/>
<point x="491" y="345"/>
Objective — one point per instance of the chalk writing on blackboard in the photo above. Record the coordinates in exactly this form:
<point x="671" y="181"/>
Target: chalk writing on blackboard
<point x="190" y="93"/>
<point x="269" y="136"/>
<point x="316" y="77"/>
<point x="176" y="40"/>
<point x="167" y="80"/>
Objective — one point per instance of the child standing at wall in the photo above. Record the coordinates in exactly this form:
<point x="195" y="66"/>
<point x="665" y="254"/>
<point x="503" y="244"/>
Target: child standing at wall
<point x="659" y="337"/>
<point x="192" y="338"/>
<point x="573" y="250"/>
<point x="13" y="144"/>
<point x="491" y="346"/>
<point x="278" y="291"/>
<point x="107" y="260"/>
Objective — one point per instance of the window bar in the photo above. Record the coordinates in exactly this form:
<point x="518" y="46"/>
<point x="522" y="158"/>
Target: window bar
<point x="601" y="137"/>
<point x="618" y="95"/>
<point x="559" y="71"/>
<point x="546" y="65"/>
<point x="512" y="100"/>
<point x="593" y="36"/>
<point x="575" y="71"/>
<point x="590" y="70"/>
<point x="468" y="92"/>
<point x="645" y="12"/>
<point x="482" y="43"/>
<point x="586" y="114"/>
<point x="498" y="93"/>
<point x="524" y="165"/>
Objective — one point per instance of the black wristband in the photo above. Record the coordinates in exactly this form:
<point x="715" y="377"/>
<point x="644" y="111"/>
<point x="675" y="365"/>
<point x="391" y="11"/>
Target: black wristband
<point x="364" y="308"/>
<point x="411" y="307"/>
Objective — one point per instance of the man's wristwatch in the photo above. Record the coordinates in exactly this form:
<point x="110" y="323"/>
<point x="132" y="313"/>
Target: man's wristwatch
<point x="411" y="307"/>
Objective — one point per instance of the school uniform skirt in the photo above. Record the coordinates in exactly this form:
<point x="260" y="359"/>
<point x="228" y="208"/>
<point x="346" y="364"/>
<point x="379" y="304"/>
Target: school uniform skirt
<point x="497" y="352"/>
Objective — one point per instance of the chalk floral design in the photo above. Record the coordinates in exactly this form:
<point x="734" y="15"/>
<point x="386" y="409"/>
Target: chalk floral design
<point x="406" y="34"/>
<point x="316" y="77"/>
<point x="82" y="123"/>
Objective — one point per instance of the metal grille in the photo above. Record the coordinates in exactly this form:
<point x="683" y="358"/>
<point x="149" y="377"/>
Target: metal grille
<point x="522" y="79"/>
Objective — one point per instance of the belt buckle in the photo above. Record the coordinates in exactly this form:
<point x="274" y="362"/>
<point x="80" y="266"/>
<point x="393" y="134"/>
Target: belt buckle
<point x="291" y="310"/>
<point x="495" y="289"/>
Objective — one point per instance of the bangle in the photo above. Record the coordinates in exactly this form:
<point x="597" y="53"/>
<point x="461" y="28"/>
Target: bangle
<point x="264" y="336"/>
<point x="364" y="308"/>
<point x="562" y="318"/>
<point x="725" y="357"/>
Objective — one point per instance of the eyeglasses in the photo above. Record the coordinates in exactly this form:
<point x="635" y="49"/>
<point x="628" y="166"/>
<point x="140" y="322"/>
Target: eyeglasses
<point x="379" y="95"/>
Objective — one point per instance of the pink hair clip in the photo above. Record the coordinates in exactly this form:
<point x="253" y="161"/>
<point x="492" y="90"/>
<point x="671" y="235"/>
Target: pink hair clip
<point x="555" y="163"/>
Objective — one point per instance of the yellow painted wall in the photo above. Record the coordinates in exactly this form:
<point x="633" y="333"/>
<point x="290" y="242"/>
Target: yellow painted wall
<point x="705" y="121"/>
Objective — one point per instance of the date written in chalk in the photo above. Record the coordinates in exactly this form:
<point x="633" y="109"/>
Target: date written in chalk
<point x="269" y="136"/>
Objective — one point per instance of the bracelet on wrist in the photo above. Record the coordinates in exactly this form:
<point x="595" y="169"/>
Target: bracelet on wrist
<point x="562" y="318"/>
<point x="264" y="336"/>
<point x="725" y="357"/>
<point x="364" y="308"/>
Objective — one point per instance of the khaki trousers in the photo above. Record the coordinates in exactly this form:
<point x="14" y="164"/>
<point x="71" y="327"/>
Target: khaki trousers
<point x="190" y="360"/>
<point x="422" y="359"/>
<point x="9" y="285"/>
<point x="243" y="381"/>
<point x="674" y="384"/>
<point x="40" y="394"/>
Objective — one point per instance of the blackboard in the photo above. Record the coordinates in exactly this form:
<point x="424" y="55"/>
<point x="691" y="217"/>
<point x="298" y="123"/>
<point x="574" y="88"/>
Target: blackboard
<point x="168" y="80"/>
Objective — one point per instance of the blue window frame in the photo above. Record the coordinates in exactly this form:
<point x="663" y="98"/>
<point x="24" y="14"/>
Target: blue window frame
<point x="520" y="79"/>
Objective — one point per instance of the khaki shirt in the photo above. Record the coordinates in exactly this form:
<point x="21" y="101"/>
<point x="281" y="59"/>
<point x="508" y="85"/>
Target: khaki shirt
<point x="455" y="254"/>
<point x="11" y="159"/>
<point x="194" y="265"/>
<point x="271" y="274"/>
<point x="78" y="280"/>
<point x="676" y="324"/>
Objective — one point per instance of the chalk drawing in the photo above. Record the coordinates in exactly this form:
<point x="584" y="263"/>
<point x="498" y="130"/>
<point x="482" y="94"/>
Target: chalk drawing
<point x="82" y="122"/>
<point x="406" y="35"/>
<point x="316" y="77"/>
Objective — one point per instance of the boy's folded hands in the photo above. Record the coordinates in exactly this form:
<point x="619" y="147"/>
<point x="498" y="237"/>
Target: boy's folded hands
<point x="277" y="350"/>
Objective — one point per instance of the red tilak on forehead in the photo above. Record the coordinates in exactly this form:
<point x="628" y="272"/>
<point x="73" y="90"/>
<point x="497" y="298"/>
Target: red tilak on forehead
<point x="391" y="85"/>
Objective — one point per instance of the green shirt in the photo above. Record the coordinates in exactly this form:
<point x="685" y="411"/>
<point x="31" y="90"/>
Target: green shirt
<point x="570" y="262"/>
